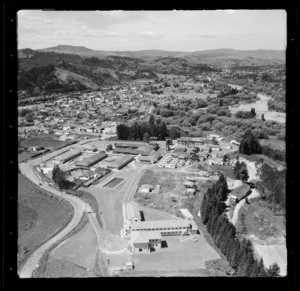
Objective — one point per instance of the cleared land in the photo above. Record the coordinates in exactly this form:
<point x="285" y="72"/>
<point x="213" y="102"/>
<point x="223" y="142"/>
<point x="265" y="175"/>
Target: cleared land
<point x="40" y="216"/>
<point x="172" y="195"/>
<point x="81" y="249"/>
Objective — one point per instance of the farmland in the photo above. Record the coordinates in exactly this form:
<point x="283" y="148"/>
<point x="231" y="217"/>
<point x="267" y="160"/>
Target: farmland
<point x="40" y="216"/>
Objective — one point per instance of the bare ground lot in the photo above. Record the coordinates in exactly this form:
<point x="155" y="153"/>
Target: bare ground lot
<point x="177" y="256"/>
<point x="40" y="216"/>
<point x="80" y="249"/>
<point x="172" y="195"/>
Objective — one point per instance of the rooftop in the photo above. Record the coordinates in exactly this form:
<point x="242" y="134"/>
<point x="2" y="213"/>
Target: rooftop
<point x="160" y="224"/>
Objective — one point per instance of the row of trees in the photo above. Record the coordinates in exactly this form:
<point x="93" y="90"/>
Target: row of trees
<point x="238" y="253"/>
<point x="246" y="114"/>
<point x="145" y="130"/>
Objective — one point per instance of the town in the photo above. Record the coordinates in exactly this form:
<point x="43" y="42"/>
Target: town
<point x="151" y="163"/>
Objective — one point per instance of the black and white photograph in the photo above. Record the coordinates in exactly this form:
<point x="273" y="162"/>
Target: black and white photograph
<point x="151" y="143"/>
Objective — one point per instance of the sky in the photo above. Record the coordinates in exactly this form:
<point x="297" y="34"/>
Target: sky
<point x="175" y="30"/>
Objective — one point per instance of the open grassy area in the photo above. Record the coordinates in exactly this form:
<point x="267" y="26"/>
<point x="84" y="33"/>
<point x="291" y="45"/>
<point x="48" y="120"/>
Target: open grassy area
<point x="46" y="141"/>
<point x="40" y="216"/>
<point x="59" y="268"/>
<point x="261" y="224"/>
<point x="80" y="249"/>
<point x="273" y="143"/>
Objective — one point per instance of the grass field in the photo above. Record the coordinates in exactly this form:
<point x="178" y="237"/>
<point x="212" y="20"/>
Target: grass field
<point x="80" y="249"/>
<point x="262" y="224"/>
<point x="58" y="268"/>
<point x="273" y="143"/>
<point x="46" y="141"/>
<point x="40" y="216"/>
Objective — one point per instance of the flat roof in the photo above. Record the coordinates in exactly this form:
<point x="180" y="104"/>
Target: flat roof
<point x="68" y="154"/>
<point x="145" y="236"/>
<point x="160" y="224"/>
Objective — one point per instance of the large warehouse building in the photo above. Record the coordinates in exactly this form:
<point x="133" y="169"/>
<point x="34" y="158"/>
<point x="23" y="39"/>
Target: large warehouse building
<point x="120" y="162"/>
<point x="69" y="155"/>
<point x="90" y="161"/>
<point x="165" y="227"/>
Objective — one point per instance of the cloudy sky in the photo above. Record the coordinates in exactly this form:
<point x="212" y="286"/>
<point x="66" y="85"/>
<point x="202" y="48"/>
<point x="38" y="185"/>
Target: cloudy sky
<point x="166" y="30"/>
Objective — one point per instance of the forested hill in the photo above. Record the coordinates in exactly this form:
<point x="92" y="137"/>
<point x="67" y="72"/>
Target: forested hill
<point x="59" y="72"/>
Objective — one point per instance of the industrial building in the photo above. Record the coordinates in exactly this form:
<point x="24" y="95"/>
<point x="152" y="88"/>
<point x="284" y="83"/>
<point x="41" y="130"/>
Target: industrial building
<point x="165" y="227"/>
<point x="120" y="162"/>
<point x="90" y="161"/>
<point x="69" y="155"/>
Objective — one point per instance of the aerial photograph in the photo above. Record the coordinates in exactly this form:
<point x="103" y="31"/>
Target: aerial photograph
<point x="151" y="143"/>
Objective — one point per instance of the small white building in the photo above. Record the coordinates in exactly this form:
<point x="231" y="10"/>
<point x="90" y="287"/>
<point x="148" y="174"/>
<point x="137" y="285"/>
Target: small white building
<point x="187" y="214"/>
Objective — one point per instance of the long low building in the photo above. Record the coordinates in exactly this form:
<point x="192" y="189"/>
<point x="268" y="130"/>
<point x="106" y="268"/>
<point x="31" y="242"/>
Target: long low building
<point x="63" y="158"/>
<point x="132" y="151"/>
<point x="120" y="162"/>
<point x="165" y="227"/>
<point x="90" y="161"/>
<point x="125" y="145"/>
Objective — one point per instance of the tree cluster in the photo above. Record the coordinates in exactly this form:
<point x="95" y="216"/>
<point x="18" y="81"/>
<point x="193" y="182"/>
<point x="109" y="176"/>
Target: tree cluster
<point x="240" y="171"/>
<point x="58" y="176"/>
<point x="249" y="144"/>
<point x="238" y="253"/>
<point x="246" y="114"/>
<point x="272" y="186"/>
<point x="138" y="131"/>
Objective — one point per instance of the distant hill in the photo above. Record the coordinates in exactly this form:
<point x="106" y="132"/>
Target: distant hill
<point x="70" y="68"/>
<point x="274" y="56"/>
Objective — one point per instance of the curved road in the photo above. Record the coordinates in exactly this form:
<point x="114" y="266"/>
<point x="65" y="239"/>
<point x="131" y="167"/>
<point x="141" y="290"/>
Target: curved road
<point x="79" y="208"/>
<point x="78" y="205"/>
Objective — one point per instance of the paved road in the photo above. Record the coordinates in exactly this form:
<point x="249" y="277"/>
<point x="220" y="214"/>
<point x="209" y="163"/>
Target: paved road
<point x="77" y="204"/>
